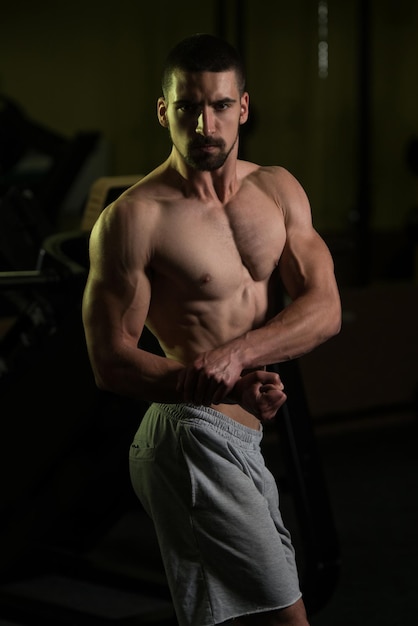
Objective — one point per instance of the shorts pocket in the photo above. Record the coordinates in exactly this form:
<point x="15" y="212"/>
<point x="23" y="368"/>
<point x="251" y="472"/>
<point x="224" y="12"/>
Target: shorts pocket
<point x="141" y="452"/>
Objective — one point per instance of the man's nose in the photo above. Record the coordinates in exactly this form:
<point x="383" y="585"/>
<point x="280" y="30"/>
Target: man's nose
<point x="205" y="122"/>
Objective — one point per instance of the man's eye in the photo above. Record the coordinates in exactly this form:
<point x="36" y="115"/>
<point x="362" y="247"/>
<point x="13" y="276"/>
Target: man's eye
<point x="222" y="106"/>
<point x="188" y="108"/>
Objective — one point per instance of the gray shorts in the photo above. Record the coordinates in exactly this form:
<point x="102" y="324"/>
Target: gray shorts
<point x="201" y="477"/>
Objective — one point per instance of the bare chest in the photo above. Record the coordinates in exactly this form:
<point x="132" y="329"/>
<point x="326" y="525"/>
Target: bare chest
<point x="213" y="248"/>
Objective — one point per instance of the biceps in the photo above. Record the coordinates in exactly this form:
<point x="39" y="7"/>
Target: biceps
<point x="115" y="312"/>
<point x="305" y="264"/>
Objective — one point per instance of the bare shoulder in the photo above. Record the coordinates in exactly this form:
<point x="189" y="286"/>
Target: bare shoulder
<point x="135" y="210"/>
<point x="275" y="177"/>
<point x="278" y="179"/>
<point x="290" y="194"/>
<point x="281" y="186"/>
<point x="125" y="232"/>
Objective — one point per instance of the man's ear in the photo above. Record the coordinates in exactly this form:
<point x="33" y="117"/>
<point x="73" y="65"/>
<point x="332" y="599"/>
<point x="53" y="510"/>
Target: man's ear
<point x="162" y="112"/>
<point x="245" y="105"/>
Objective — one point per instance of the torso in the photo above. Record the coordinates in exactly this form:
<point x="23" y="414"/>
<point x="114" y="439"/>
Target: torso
<point x="213" y="269"/>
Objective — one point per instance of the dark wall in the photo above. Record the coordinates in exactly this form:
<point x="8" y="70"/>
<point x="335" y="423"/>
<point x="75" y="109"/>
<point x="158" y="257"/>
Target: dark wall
<point x="96" y="65"/>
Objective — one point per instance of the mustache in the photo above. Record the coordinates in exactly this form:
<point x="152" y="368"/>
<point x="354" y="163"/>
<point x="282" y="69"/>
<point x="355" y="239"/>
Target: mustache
<point x="201" y="142"/>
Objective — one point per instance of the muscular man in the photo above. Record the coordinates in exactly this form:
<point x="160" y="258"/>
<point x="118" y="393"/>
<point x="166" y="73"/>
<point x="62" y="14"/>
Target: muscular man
<point x="199" y="251"/>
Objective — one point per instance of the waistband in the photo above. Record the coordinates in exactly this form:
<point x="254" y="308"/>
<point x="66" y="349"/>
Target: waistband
<point x="192" y="414"/>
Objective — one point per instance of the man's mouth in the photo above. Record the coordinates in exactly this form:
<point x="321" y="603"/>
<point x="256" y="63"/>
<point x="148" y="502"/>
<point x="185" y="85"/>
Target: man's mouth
<point x="202" y="145"/>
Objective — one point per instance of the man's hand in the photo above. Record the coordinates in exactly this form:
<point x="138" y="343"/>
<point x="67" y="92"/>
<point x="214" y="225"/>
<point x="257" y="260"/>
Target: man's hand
<point x="260" y="393"/>
<point x="215" y="377"/>
<point x="211" y="377"/>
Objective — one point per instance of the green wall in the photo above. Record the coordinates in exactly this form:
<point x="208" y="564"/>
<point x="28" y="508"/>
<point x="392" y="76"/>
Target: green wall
<point x="95" y="65"/>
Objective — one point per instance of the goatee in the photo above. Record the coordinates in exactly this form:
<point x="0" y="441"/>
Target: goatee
<point x="204" y="161"/>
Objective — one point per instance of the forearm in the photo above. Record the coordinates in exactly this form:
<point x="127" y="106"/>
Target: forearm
<point x="308" y="321"/>
<point x="137" y="374"/>
<point x="301" y="326"/>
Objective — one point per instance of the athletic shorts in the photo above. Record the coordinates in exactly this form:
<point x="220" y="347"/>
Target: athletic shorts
<point x="201" y="477"/>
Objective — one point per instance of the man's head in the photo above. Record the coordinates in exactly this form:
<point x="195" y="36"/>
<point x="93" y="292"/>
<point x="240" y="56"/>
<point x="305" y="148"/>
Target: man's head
<point x="204" y="101"/>
<point x="203" y="53"/>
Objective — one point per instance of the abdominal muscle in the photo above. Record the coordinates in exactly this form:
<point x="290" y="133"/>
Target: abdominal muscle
<point x="200" y="326"/>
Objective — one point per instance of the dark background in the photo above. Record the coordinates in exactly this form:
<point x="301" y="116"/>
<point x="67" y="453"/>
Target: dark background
<point x="78" y="88"/>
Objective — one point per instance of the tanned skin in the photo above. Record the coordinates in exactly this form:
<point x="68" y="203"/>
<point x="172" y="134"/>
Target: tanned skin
<point x="199" y="251"/>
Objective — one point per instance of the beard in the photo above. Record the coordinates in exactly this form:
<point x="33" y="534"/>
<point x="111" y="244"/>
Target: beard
<point x="203" y="161"/>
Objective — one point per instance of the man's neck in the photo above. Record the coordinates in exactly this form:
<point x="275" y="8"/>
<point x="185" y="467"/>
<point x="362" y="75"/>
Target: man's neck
<point x="221" y="184"/>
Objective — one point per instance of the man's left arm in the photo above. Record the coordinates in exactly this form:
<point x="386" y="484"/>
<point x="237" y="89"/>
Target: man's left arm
<point x="312" y="316"/>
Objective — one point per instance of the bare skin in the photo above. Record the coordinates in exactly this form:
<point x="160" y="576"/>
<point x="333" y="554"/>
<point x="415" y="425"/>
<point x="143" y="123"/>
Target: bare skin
<point x="294" y="615"/>
<point x="200" y="256"/>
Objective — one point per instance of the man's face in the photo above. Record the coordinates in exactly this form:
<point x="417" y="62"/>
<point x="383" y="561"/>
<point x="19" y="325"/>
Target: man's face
<point x="203" y="112"/>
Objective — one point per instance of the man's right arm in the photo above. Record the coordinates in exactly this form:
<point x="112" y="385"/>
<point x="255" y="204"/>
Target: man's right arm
<point x="115" y="306"/>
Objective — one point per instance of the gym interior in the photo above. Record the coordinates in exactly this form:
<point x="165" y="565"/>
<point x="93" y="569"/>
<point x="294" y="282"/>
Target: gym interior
<point x="333" y="98"/>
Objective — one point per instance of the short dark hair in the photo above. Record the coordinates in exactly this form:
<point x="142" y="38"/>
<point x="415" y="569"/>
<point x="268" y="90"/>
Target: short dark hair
<point x="203" y="53"/>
